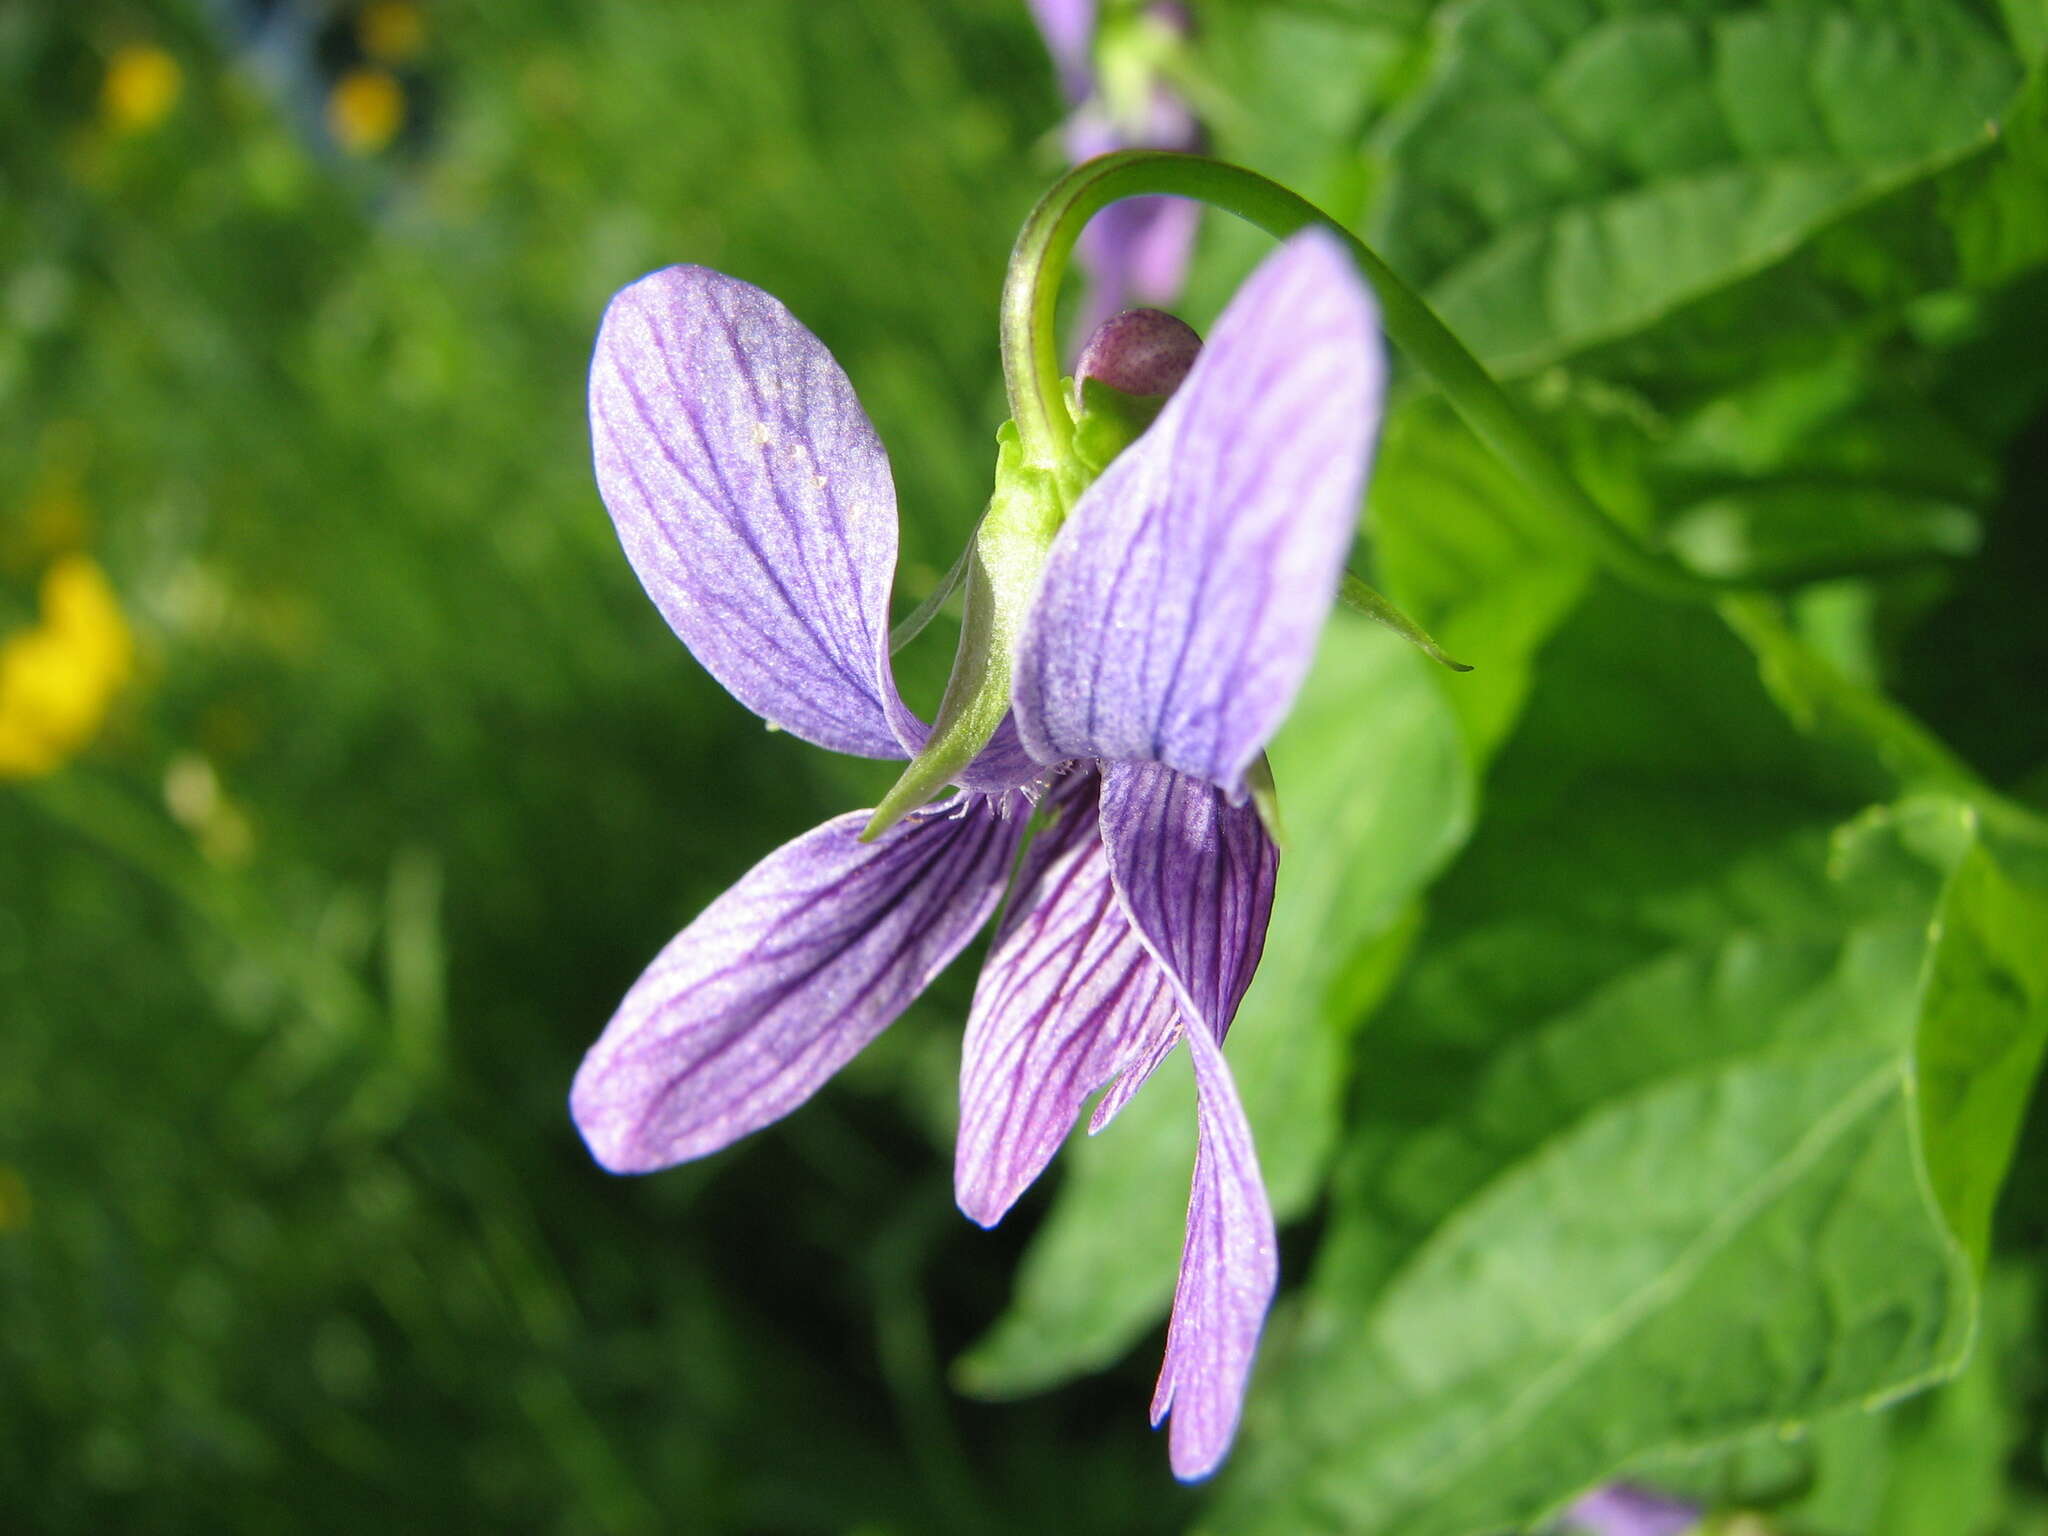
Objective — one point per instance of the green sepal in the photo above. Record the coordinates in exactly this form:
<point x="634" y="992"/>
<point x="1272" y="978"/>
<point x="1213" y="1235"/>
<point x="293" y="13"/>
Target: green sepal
<point x="1003" y="565"/>
<point x="1360" y="598"/>
<point x="1108" y="422"/>
<point x="1265" y="798"/>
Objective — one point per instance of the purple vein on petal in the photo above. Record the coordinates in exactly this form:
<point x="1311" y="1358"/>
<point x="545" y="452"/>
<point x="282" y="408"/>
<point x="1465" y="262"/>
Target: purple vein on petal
<point x="1153" y="1049"/>
<point x="1182" y="600"/>
<point x="1229" y="1267"/>
<point x="1195" y="875"/>
<point x="1067" y="998"/>
<point x="754" y="501"/>
<point x="786" y="976"/>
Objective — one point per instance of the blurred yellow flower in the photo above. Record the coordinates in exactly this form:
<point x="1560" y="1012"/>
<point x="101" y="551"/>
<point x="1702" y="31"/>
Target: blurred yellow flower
<point x="365" y="110"/>
<point x="392" y="30"/>
<point x="141" y="87"/>
<point x="58" y="677"/>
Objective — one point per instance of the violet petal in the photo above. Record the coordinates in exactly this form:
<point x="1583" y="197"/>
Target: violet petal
<point x="1152" y="1050"/>
<point x="1181" y="601"/>
<point x="1161" y="249"/>
<point x="754" y="501"/>
<point x="1001" y="764"/>
<point x="1067" y="996"/>
<point x="782" y="979"/>
<point x="1195" y="875"/>
<point x="1135" y="252"/>
<point x="1068" y="27"/>
<point x="1623" y="1509"/>
<point x="1228" y="1268"/>
<point x="1135" y="1074"/>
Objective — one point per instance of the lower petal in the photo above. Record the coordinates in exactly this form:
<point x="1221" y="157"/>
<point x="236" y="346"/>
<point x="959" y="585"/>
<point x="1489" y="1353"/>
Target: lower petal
<point x="1195" y="874"/>
<point x="1153" y="1049"/>
<point x="1228" y="1269"/>
<point x="1066" y="998"/>
<point x="784" y="978"/>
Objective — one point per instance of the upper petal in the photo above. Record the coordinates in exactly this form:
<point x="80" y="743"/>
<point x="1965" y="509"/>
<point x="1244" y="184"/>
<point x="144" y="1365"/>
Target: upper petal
<point x="1195" y="875"/>
<point x="1181" y="601"/>
<point x="1229" y="1266"/>
<point x="754" y="501"/>
<point x="1068" y="27"/>
<point x="1066" y="998"/>
<point x="783" y="978"/>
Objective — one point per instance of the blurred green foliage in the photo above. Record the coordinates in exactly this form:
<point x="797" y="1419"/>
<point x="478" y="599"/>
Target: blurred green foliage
<point x="1646" y="1028"/>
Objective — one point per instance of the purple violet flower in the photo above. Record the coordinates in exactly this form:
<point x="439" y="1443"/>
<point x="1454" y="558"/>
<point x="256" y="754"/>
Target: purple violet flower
<point x="1068" y="27"/>
<point x="1623" y="1509"/>
<point x="1176" y="618"/>
<point x="1135" y="252"/>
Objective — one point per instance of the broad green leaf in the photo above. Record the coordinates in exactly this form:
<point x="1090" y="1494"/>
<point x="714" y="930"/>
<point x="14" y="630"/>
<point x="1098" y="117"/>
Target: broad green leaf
<point x="1375" y="794"/>
<point x="1785" y="528"/>
<point x="1984" y="1025"/>
<point x="1576" y="169"/>
<point x="1712" y="1220"/>
<point x="1640" y="1159"/>
<point x="1458" y="547"/>
<point x="1931" y="1466"/>
<point x="1974" y="224"/>
<point x="1825" y="465"/>
<point x="1948" y="1452"/>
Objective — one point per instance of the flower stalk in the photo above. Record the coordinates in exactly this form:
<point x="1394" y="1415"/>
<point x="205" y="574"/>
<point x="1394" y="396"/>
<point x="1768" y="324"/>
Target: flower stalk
<point x="1031" y="353"/>
<point x="1031" y="373"/>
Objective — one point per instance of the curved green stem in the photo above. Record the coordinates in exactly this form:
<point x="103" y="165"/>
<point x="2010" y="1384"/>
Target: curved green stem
<point x="1031" y="290"/>
<point x="1031" y="371"/>
<point x="1031" y="356"/>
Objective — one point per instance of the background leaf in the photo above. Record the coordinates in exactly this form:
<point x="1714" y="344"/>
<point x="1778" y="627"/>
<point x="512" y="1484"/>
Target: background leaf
<point x="1655" y="1068"/>
<point x="1572" y="172"/>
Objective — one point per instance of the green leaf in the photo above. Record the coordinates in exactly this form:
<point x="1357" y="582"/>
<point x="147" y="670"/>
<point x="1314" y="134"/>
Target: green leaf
<point x="1648" y="1153"/>
<point x="1984" y="1024"/>
<point x="1931" y="1466"/>
<point x="1457" y="545"/>
<point x="1577" y="169"/>
<point x="1837" y="462"/>
<point x="1786" y="528"/>
<point x="1370" y="816"/>
<point x="1289" y="90"/>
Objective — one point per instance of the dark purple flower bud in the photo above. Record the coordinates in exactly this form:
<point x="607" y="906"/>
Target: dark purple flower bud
<point x="1140" y="352"/>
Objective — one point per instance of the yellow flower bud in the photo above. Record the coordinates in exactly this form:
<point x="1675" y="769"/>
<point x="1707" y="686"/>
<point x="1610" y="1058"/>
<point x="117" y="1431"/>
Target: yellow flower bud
<point x="58" y="677"/>
<point x="141" y="86"/>
<point x="365" y="110"/>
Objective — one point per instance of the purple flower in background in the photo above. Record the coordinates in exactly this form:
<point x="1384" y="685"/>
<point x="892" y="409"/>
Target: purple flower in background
<point x="1175" y="619"/>
<point x="1135" y="251"/>
<point x="1622" y="1509"/>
